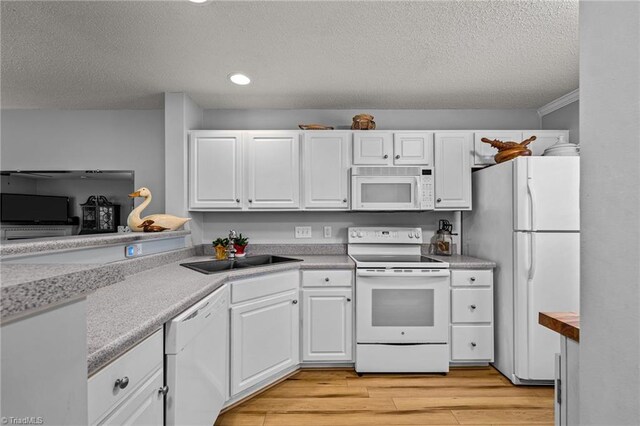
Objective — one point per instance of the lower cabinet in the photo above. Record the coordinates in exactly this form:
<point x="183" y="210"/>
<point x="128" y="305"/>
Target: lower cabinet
<point x="327" y="322"/>
<point x="130" y="389"/>
<point x="264" y="339"/>
<point x="145" y="406"/>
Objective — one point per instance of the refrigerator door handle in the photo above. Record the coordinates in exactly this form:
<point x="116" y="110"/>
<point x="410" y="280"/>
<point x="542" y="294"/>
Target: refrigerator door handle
<point x="532" y="256"/>
<point x="532" y="199"/>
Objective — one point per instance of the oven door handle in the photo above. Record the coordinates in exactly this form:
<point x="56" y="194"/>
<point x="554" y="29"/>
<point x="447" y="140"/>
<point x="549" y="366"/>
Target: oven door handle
<point x="388" y="273"/>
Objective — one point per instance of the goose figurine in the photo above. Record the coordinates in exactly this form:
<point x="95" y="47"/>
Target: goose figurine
<point x="166" y="221"/>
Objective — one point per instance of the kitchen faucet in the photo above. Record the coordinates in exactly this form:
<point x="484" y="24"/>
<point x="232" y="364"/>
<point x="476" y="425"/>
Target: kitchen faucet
<point x="231" y="250"/>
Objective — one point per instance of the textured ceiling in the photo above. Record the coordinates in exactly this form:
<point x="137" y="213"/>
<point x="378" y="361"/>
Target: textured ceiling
<point x="411" y="54"/>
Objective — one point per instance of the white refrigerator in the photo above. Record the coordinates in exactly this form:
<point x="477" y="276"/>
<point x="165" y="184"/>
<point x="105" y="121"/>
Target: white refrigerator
<point x="526" y="218"/>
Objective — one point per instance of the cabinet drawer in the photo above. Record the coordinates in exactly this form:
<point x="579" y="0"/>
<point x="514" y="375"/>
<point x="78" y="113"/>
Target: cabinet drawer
<point x="135" y="365"/>
<point x="469" y="343"/>
<point x="264" y="285"/>
<point x="327" y="278"/>
<point x="471" y="305"/>
<point x="461" y="278"/>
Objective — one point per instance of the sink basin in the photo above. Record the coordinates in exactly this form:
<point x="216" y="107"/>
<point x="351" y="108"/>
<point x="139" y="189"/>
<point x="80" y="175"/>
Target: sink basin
<point x="215" y="266"/>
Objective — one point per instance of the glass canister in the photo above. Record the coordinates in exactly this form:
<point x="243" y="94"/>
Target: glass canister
<point x="444" y="238"/>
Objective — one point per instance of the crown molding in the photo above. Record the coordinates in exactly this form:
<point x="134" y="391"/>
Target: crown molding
<point x="559" y="103"/>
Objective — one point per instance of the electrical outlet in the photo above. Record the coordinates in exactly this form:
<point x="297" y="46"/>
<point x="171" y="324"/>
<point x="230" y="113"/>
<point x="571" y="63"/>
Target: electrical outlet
<point x="327" y="232"/>
<point x="303" y="232"/>
<point x="133" y="250"/>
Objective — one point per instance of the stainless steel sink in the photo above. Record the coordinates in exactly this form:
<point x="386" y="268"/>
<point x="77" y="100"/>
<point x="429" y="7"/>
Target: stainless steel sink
<point x="215" y="266"/>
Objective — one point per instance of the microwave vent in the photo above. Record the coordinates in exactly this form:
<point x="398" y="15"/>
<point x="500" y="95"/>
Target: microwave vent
<point x="387" y="171"/>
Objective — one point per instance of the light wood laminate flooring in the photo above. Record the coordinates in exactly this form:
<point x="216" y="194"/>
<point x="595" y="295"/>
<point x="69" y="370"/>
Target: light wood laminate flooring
<point x="468" y="396"/>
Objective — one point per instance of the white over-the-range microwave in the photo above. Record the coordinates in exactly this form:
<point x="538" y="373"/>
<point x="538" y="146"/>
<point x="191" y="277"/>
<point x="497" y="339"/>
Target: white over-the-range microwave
<point x="392" y="188"/>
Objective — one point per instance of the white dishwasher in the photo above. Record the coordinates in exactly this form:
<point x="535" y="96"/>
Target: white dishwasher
<point x="196" y="357"/>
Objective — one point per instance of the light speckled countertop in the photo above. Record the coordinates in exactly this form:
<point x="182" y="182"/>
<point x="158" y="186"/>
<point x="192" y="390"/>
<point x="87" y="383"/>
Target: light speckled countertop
<point x="458" y="261"/>
<point x="123" y="314"/>
<point x="37" y="245"/>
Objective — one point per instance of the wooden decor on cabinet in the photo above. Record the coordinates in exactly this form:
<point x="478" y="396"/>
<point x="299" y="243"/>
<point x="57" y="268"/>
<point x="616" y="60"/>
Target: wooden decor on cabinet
<point x="509" y="150"/>
<point x="363" y="122"/>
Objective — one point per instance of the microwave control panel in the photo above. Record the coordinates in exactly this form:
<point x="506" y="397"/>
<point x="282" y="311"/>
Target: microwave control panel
<point x="426" y="190"/>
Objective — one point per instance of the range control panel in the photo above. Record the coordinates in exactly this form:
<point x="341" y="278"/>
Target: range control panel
<point x="385" y="235"/>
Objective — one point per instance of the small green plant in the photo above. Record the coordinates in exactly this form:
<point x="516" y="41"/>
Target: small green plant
<point x="221" y="242"/>
<point x="241" y="241"/>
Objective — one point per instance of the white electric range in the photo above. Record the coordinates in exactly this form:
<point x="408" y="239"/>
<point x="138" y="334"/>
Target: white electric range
<point x="402" y="302"/>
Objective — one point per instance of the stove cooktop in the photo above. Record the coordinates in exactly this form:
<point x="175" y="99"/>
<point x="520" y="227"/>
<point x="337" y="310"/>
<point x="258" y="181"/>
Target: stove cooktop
<point x="381" y="258"/>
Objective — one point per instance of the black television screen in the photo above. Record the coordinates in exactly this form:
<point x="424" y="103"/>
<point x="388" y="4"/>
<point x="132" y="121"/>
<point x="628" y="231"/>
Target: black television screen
<point x="24" y="208"/>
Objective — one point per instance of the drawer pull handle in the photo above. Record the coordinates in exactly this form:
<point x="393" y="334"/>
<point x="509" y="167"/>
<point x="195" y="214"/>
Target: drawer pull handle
<point x="163" y="390"/>
<point x="348" y="299"/>
<point x="472" y="279"/>
<point x="397" y="157"/>
<point x="295" y="302"/>
<point x="327" y="279"/>
<point x="385" y="156"/>
<point x="237" y="200"/>
<point x="122" y="383"/>
<point x="473" y="344"/>
<point x="473" y="307"/>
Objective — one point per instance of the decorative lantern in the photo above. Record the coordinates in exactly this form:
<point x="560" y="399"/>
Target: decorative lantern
<point x="99" y="215"/>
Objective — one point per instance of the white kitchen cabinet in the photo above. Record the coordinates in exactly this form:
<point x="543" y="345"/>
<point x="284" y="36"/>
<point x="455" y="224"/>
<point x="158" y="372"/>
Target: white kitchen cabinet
<point x="327" y="322"/>
<point x="264" y="339"/>
<point x="453" y="170"/>
<point x="326" y="170"/>
<point x="373" y="148"/>
<point x="273" y="169"/>
<point x="145" y="406"/>
<point x="413" y="148"/>
<point x="484" y="152"/>
<point x="215" y="170"/>
<point x="545" y="139"/>
<point x="471" y="321"/>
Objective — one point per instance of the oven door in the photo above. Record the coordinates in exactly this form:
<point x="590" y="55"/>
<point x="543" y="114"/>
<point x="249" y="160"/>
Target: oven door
<point x="402" y="306"/>
<point x="385" y="192"/>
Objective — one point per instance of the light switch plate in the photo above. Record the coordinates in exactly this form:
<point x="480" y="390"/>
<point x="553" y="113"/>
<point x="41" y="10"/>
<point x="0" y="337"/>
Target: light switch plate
<point x="327" y="231"/>
<point x="303" y="232"/>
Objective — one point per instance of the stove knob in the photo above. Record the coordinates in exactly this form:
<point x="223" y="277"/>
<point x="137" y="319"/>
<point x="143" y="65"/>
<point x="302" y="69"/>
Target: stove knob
<point x="410" y="234"/>
<point x="360" y="235"/>
<point x="417" y="234"/>
<point x="353" y="234"/>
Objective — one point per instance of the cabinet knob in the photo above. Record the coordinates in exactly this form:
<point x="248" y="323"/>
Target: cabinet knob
<point x="122" y="383"/>
<point x="348" y="299"/>
<point x="163" y="390"/>
<point x="473" y="344"/>
<point x="397" y="157"/>
<point x="472" y="307"/>
<point x="327" y="279"/>
<point x="250" y="200"/>
<point x="295" y="302"/>
<point x="344" y="200"/>
<point x="237" y="200"/>
<point x="472" y="279"/>
<point x="438" y="200"/>
<point x="385" y="156"/>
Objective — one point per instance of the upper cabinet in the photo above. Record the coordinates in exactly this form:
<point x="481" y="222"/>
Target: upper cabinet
<point x="371" y="147"/>
<point x="273" y="170"/>
<point x="326" y="170"/>
<point x="387" y="149"/>
<point x="215" y="170"/>
<point x="453" y="170"/>
<point x="484" y="152"/>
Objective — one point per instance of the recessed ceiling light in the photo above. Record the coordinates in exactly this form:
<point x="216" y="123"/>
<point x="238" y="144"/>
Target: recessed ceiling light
<point x="198" y="1"/>
<point x="239" y="79"/>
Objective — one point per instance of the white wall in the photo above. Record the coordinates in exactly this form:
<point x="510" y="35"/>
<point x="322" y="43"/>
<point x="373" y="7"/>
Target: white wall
<point x="88" y="139"/>
<point x="567" y="117"/>
<point x="610" y="200"/>
<point x="278" y="227"/>
<point x="264" y="119"/>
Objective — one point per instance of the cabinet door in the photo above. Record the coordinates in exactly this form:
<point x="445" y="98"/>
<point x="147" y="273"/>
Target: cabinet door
<point x="327" y="333"/>
<point x="372" y="148"/>
<point x="453" y="171"/>
<point x="273" y="170"/>
<point x="483" y="153"/>
<point x="264" y="339"/>
<point x="215" y="170"/>
<point x="326" y="170"/>
<point x="413" y="148"/>
<point x="145" y="406"/>
<point x="545" y="139"/>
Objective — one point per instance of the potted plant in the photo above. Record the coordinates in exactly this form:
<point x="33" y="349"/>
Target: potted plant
<point x="220" y="246"/>
<point x="240" y="244"/>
